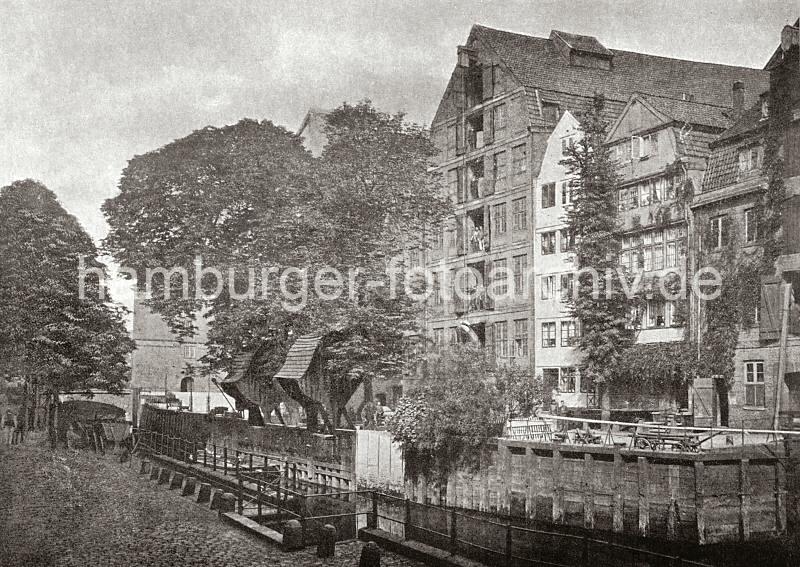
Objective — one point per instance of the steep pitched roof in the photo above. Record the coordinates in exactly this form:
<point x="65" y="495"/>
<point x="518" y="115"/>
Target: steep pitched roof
<point x="536" y="62"/>
<point x="690" y="112"/>
<point x="299" y="357"/>
<point x="540" y="67"/>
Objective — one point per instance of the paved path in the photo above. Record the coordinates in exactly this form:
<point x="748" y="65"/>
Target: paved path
<point x="79" y="509"/>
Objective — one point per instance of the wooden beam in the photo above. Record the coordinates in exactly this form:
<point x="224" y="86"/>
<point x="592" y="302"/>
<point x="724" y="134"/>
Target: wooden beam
<point x="558" y="488"/>
<point x="619" y="498"/>
<point x="744" y="499"/>
<point x="643" y="482"/>
<point x="673" y="519"/>
<point x="531" y="484"/>
<point x="588" y="491"/>
<point x="780" y="498"/>
<point x="699" y="496"/>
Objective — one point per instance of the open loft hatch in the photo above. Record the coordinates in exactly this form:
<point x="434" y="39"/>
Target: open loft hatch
<point x="472" y="333"/>
<point x="478" y="230"/>
<point x="475" y="179"/>
<point x="475" y="139"/>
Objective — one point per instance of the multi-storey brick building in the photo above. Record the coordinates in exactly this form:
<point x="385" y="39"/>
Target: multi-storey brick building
<point x="766" y="381"/>
<point x="505" y="97"/>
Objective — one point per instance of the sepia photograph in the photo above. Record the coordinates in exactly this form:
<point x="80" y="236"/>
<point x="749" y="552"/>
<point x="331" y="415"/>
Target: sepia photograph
<point x="364" y="283"/>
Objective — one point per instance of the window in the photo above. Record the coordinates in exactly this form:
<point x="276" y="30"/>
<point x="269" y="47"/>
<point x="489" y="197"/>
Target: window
<point x="658" y="257"/>
<point x="500" y="218"/>
<point x="750" y="158"/>
<point x="567" y="286"/>
<point x="764" y="107"/>
<point x="520" y="268"/>
<point x="567" y="240"/>
<point x="587" y="384"/>
<point x="750" y="226"/>
<point x="437" y="238"/>
<point x="550" y="112"/>
<point x="519" y="156"/>
<point x="501" y="338"/>
<point x="437" y="289"/>
<point x="565" y="196"/>
<point x="438" y="336"/>
<point x="548" y="195"/>
<point x="548" y="243"/>
<point x="644" y="194"/>
<point x="501" y="276"/>
<point x="567" y="382"/>
<point x="499" y="118"/>
<point x="499" y="166"/>
<point x="648" y="145"/>
<point x="754" y="389"/>
<point x="519" y="220"/>
<point x="521" y="337"/>
<point x="413" y="257"/>
<point x="648" y="258"/>
<point x="451" y="141"/>
<point x="188" y="352"/>
<point x="452" y="184"/>
<point x="187" y="384"/>
<point x="656" y="316"/>
<point x="569" y="333"/>
<point x="550" y="378"/>
<point x="718" y="233"/>
<point x="566" y="143"/>
<point x="672" y="254"/>
<point x="548" y="287"/>
<point x="453" y="335"/>
<point x="548" y="335"/>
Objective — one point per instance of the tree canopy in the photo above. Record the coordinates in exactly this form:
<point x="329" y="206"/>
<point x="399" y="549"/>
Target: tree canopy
<point x="53" y="335"/>
<point x="248" y="197"/>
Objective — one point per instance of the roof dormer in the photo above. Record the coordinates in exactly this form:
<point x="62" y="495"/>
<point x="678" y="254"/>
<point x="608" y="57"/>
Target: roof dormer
<point x="582" y="50"/>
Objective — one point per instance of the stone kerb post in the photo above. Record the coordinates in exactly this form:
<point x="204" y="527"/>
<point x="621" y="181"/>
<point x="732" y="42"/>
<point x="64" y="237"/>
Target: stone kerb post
<point x="177" y="481"/>
<point x="154" y="472"/>
<point x="163" y="478"/>
<point x="327" y="541"/>
<point x="216" y="498"/>
<point x="227" y="503"/>
<point x="189" y="486"/>
<point x="370" y="555"/>
<point x="145" y="467"/>
<point x="293" y="535"/>
<point x="204" y="494"/>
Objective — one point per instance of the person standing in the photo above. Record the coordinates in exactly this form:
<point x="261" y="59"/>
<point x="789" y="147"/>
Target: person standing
<point x="7" y="424"/>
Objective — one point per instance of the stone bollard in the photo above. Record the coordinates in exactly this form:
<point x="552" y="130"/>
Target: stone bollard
<point x="204" y="494"/>
<point x="163" y="478"/>
<point x="370" y="555"/>
<point x="227" y="503"/>
<point x="327" y="541"/>
<point x="177" y="481"/>
<point x="293" y="535"/>
<point x="145" y="467"/>
<point x="215" y="499"/>
<point x="154" y="472"/>
<point x="188" y="486"/>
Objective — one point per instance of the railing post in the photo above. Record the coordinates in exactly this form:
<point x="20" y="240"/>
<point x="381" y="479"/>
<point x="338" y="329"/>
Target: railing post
<point x="453" y="532"/>
<point x="509" y="544"/>
<point x="374" y="517"/>
<point x="215" y="457"/>
<point x="585" y="555"/>
<point x="251" y="463"/>
<point x="241" y="488"/>
<point x="258" y="496"/>
<point x="407" y="518"/>
<point x="205" y="456"/>
<point x="225" y="460"/>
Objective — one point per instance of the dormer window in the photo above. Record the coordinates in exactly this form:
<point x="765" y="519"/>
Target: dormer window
<point x="750" y="158"/>
<point x="550" y="112"/>
<point x="764" y="107"/>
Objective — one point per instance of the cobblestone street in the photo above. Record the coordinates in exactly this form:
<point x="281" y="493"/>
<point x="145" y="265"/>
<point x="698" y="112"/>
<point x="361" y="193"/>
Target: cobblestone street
<point x="81" y="509"/>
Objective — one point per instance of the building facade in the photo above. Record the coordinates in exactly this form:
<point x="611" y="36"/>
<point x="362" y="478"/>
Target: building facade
<point x="494" y="128"/>
<point x="765" y="390"/>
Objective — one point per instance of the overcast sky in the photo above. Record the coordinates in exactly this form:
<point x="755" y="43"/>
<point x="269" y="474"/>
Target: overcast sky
<point x="87" y="85"/>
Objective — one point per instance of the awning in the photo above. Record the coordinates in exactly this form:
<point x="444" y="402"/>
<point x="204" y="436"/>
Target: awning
<point x="299" y="358"/>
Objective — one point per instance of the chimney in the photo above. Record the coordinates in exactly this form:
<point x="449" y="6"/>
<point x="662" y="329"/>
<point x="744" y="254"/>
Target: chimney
<point x="737" y="95"/>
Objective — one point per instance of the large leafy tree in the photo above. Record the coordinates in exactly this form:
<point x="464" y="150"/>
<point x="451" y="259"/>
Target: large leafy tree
<point x="600" y="305"/>
<point x="55" y="335"/>
<point x="248" y="197"/>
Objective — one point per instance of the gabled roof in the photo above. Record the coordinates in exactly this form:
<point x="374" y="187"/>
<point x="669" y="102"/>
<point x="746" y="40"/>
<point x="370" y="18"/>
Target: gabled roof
<point x="749" y="122"/>
<point x="539" y="66"/>
<point x="536" y="62"/>
<point x="670" y="110"/>
<point x="299" y="358"/>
